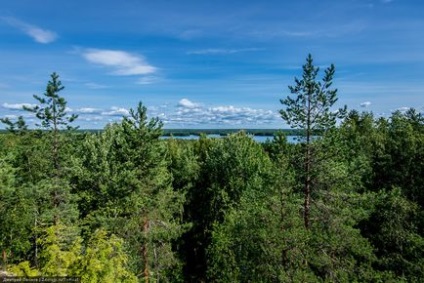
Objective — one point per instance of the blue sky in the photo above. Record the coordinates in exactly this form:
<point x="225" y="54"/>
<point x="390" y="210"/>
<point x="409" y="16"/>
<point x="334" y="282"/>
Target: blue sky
<point x="208" y="64"/>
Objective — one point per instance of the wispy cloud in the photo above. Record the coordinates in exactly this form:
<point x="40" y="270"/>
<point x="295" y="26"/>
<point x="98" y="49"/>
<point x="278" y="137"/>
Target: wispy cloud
<point x="123" y="63"/>
<point x="88" y="110"/>
<point x="95" y="86"/>
<point x="365" y="104"/>
<point x="11" y="117"/>
<point x="17" y="106"/>
<point x="221" y="51"/>
<point x="308" y="30"/>
<point x="403" y="109"/>
<point x="38" y="34"/>
<point x="185" y="103"/>
<point x="148" y="80"/>
<point x="116" y="111"/>
<point x="93" y="119"/>
<point x="190" y="34"/>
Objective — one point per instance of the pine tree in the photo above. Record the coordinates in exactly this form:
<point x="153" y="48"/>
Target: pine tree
<point x="17" y="127"/>
<point x="53" y="202"/>
<point x="310" y="111"/>
<point x="51" y="112"/>
<point x="125" y="187"/>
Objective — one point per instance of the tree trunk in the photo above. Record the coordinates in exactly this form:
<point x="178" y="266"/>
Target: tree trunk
<point x="36" y="239"/>
<point x="145" y="251"/>
<point x="307" y="189"/>
<point x="55" y="151"/>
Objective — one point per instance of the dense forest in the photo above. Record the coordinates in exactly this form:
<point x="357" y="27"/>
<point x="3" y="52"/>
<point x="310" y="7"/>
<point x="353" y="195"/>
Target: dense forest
<point x="123" y="205"/>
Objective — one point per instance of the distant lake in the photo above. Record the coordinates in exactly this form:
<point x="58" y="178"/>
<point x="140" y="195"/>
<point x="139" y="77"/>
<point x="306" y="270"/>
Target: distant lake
<point x="260" y="139"/>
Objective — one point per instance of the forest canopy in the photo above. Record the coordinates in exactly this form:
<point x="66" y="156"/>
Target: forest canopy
<point x="124" y="205"/>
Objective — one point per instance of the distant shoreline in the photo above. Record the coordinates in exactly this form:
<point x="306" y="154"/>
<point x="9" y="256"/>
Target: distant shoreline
<point x="225" y="132"/>
<point x="198" y="132"/>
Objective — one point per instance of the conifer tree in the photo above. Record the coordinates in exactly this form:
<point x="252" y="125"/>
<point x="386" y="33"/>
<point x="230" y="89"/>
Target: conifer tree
<point x="16" y="127"/>
<point x="131" y="194"/>
<point x="309" y="109"/>
<point x="52" y="198"/>
<point x="52" y="113"/>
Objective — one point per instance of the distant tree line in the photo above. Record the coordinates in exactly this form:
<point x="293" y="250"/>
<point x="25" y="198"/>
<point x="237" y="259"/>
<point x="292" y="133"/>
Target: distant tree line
<point x="226" y="132"/>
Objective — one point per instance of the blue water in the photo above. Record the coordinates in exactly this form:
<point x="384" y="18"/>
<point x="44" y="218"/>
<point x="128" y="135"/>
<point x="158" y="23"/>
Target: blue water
<point x="261" y="139"/>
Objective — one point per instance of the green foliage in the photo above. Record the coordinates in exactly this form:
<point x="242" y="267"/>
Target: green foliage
<point x="310" y="109"/>
<point x="252" y="245"/>
<point x="23" y="269"/>
<point x="339" y="252"/>
<point x="392" y="155"/>
<point x="229" y="167"/>
<point x="15" y="214"/>
<point x="122" y="205"/>
<point x="104" y="260"/>
<point x="60" y="248"/>
<point x="399" y="160"/>
<point x="277" y="148"/>
<point x="53" y="202"/>
<point x="184" y="165"/>
<point x="131" y="194"/>
<point x="17" y="127"/>
<point x="392" y="230"/>
<point x="51" y="110"/>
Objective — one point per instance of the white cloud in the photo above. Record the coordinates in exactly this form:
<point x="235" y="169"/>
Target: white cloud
<point x="403" y="109"/>
<point x="185" y="113"/>
<point x="225" y="109"/>
<point x="116" y="111"/>
<point x="365" y="104"/>
<point x="187" y="103"/>
<point x="95" y="86"/>
<point x="190" y="113"/>
<point x="123" y="63"/>
<point x="88" y="110"/>
<point x="12" y="117"/>
<point x="243" y="114"/>
<point x="91" y="119"/>
<point x="38" y="34"/>
<point x="147" y="80"/>
<point x="17" y="106"/>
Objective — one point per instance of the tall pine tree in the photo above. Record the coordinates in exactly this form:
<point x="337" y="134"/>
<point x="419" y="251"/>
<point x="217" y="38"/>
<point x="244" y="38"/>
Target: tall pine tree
<point x="309" y="109"/>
